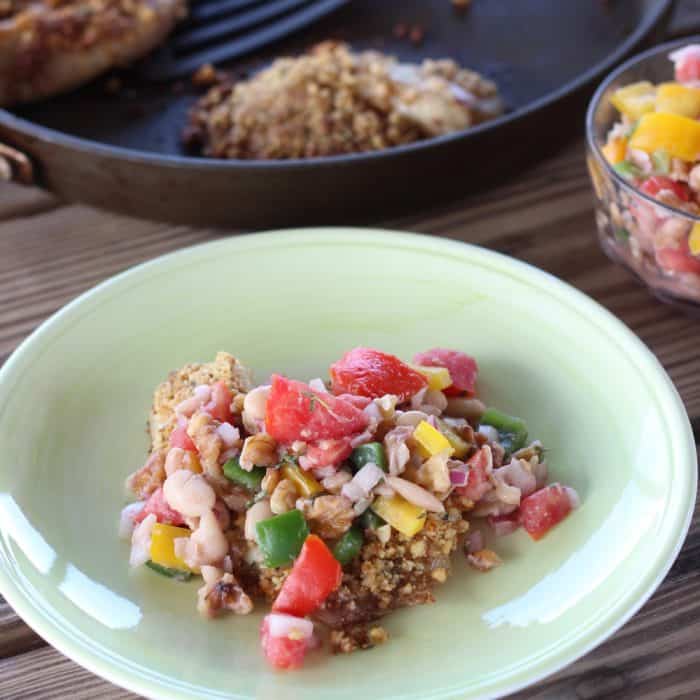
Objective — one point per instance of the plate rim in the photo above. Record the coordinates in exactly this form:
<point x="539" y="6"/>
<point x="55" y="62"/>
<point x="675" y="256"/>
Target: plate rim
<point x="37" y="613"/>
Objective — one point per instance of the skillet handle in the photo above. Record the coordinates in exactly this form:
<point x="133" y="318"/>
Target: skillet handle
<point x="15" y="166"/>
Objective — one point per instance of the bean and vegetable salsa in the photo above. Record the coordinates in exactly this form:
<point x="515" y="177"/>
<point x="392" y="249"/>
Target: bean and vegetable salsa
<point x="655" y="145"/>
<point x="336" y="502"/>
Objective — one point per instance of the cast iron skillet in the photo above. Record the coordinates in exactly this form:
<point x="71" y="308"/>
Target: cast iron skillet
<point x="123" y="151"/>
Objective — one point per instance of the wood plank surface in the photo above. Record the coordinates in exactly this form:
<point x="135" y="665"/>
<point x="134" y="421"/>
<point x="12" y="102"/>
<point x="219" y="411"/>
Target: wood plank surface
<point x="51" y="252"/>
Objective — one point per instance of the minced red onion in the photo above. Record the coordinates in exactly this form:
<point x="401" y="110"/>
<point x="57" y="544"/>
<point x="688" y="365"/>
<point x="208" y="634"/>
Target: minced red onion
<point x="281" y="625"/>
<point x="475" y="542"/>
<point x="203" y="393"/>
<point x="126" y="519"/>
<point x="229" y="434"/>
<point x="458" y="477"/>
<point x="352" y="491"/>
<point x="503" y="527"/>
<point x="319" y="472"/>
<point x="362" y="438"/>
<point x="318" y="385"/>
<point x="229" y="453"/>
<point x="415" y="494"/>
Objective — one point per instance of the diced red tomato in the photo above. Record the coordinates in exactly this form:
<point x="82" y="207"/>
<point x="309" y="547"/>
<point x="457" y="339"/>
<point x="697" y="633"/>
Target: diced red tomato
<point x="219" y="405"/>
<point x="677" y="260"/>
<point x="372" y="373"/>
<point x="315" y="575"/>
<point x="687" y="67"/>
<point x="326" y="453"/>
<point x="478" y="484"/>
<point x="282" y="652"/>
<point x="357" y="401"/>
<point x="462" y="368"/>
<point x="158" y="506"/>
<point x="543" y="509"/>
<point x="296" y="412"/>
<point x="653" y="185"/>
<point x="180" y="438"/>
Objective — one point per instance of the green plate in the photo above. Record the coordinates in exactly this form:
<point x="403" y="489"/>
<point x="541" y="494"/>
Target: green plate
<point x="74" y="396"/>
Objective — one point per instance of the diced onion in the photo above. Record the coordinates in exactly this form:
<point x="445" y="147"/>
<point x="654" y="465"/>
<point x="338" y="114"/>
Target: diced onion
<point x="203" y="393"/>
<point x="573" y="497"/>
<point x="489" y="432"/>
<point x="415" y="494"/>
<point x="281" y="625"/>
<point x="126" y="519"/>
<point x="229" y="434"/>
<point x="458" y="477"/>
<point x="318" y="385"/>
<point x="141" y="541"/>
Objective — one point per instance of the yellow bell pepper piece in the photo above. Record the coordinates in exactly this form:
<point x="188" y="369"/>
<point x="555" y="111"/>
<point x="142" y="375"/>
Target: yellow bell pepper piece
<point x="694" y="240"/>
<point x="679" y="136"/>
<point x="438" y="377"/>
<point x="403" y="516"/>
<point x="430" y="441"/>
<point x="635" y="100"/>
<point x="163" y="546"/>
<point x="678" y="99"/>
<point x="304" y="483"/>
<point x="615" y="150"/>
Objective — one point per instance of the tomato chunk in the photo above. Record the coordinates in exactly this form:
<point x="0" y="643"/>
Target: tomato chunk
<point x="653" y="185"/>
<point x="677" y="260"/>
<point x="315" y="575"/>
<point x="478" y="484"/>
<point x="282" y="652"/>
<point x="687" y="64"/>
<point x="462" y="367"/>
<point x="180" y="438"/>
<point x="543" y="509"/>
<point x="326" y="453"/>
<point x="158" y="506"/>
<point x="220" y="404"/>
<point x="296" y="412"/>
<point x="372" y="373"/>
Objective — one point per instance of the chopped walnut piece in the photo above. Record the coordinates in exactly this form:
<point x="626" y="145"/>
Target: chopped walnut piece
<point x="144" y="481"/>
<point x="329" y="516"/>
<point x="351" y="639"/>
<point x="221" y="591"/>
<point x="484" y="560"/>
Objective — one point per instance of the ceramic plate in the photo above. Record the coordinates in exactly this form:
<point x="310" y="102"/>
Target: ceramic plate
<point x="74" y="397"/>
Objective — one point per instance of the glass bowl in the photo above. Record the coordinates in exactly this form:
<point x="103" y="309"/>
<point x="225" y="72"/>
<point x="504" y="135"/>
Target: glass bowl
<point x="646" y="236"/>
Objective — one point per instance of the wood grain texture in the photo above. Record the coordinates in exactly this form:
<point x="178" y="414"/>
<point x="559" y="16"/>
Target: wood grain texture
<point x="50" y="253"/>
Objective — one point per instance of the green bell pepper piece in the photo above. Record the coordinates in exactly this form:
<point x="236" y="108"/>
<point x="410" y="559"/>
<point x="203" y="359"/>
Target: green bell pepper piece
<point x="370" y="520"/>
<point x="370" y="452"/>
<point x="176" y="574"/>
<point x="250" y="480"/>
<point x="512" y="431"/>
<point x="281" y="537"/>
<point x="661" y="160"/>
<point x="627" y="169"/>
<point x="348" y="546"/>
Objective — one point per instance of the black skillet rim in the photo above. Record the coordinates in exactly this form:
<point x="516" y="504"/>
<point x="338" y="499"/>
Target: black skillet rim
<point x="47" y="135"/>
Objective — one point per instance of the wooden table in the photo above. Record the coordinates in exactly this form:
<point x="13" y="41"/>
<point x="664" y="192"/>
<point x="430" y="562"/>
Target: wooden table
<point x="50" y="252"/>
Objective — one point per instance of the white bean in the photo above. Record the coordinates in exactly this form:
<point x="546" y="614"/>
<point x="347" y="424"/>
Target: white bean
<point x="189" y="493"/>
<point x="257" y="512"/>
